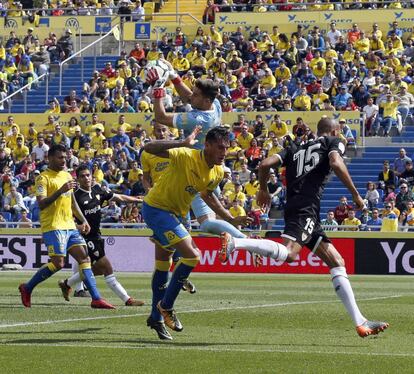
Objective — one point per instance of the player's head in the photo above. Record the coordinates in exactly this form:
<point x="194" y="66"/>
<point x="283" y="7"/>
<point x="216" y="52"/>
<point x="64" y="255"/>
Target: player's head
<point x="83" y="175"/>
<point x="161" y="132"/>
<point x="57" y="157"/>
<point x="326" y="126"/>
<point x="216" y="145"/>
<point x="204" y="93"/>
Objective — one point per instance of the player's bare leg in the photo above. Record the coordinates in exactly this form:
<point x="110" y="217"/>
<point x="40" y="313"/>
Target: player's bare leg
<point x="328" y="254"/>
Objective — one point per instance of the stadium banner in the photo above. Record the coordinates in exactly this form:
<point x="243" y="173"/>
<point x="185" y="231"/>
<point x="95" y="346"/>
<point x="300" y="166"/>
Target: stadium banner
<point x="288" y="21"/>
<point x="126" y="253"/>
<point x="384" y="256"/>
<point x="86" y="24"/>
<point x="136" y="254"/>
<point x="109" y="120"/>
<point x="241" y="261"/>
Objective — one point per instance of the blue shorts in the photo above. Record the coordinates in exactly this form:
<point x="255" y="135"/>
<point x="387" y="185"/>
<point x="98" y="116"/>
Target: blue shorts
<point x="168" y="229"/>
<point x="58" y="242"/>
<point x="199" y="206"/>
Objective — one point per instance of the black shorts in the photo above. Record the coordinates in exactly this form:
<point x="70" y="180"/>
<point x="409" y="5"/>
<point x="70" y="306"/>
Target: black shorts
<point x="304" y="228"/>
<point x="96" y="248"/>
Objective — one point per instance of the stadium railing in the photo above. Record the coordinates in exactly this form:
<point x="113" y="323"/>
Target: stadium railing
<point x="24" y="91"/>
<point x="114" y="31"/>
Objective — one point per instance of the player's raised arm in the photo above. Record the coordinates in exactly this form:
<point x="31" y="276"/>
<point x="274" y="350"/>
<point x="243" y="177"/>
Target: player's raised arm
<point x="263" y="196"/>
<point x="338" y="166"/>
<point x="160" y="147"/>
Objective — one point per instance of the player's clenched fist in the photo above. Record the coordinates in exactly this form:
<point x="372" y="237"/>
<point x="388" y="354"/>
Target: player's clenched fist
<point x="68" y="186"/>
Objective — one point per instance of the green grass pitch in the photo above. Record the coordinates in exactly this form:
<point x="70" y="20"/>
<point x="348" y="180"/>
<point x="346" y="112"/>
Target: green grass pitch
<point x="233" y="324"/>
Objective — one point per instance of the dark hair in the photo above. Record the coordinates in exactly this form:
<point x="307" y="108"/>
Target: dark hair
<point x="56" y="148"/>
<point x="218" y="133"/>
<point x="81" y="168"/>
<point x="208" y="88"/>
<point x="325" y="126"/>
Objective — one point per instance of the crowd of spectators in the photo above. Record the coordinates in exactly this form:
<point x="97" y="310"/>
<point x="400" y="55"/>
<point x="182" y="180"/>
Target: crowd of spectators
<point x="23" y="60"/>
<point x="30" y="11"/>
<point x="263" y="6"/>
<point x="365" y="71"/>
<point x="389" y="202"/>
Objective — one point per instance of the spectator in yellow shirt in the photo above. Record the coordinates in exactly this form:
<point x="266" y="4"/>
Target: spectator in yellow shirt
<point x="105" y="149"/>
<point x="236" y="209"/>
<point x="181" y="64"/>
<point x="97" y="139"/>
<point x="390" y="113"/>
<point x="244" y="138"/>
<point x="134" y="173"/>
<point x="278" y="126"/>
<point x="12" y="138"/>
<point x="20" y="152"/>
<point x="268" y="81"/>
<point x="363" y="43"/>
<point x="86" y="150"/>
<point x="238" y="194"/>
<point x="302" y="101"/>
<point x="215" y="35"/>
<point x="319" y="98"/>
<point x="282" y="72"/>
<point x="351" y="221"/>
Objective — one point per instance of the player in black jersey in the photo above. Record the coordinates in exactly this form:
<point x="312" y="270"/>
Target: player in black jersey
<point x="90" y="199"/>
<point x="308" y="166"/>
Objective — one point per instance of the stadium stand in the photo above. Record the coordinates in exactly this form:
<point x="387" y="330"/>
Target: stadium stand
<point x="259" y="70"/>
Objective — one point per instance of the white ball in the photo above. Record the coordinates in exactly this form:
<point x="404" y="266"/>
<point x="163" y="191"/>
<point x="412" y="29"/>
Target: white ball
<point x="163" y="71"/>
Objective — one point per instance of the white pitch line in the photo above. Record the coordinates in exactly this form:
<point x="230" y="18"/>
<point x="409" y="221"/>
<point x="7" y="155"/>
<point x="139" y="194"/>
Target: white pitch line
<point x="171" y="346"/>
<point x="22" y="324"/>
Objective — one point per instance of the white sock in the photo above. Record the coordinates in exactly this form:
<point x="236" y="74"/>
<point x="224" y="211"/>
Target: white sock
<point x="115" y="286"/>
<point x="76" y="281"/>
<point x="264" y="247"/>
<point x="344" y="291"/>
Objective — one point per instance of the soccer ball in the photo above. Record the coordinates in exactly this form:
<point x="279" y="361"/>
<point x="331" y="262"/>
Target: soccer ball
<point x="163" y="71"/>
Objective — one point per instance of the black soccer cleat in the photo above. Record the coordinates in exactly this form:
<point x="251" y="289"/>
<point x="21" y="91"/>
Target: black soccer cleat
<point x="189" y="287"/>
<point x="159" y="328"/>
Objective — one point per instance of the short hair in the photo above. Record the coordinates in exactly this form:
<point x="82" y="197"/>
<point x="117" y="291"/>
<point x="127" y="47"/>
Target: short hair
<point x="209" y="89"/>
<point x="56" y="148"/>
<point x="81" y="168"/>
<point x="325" y="126"/>
<point x="218" y="133"/>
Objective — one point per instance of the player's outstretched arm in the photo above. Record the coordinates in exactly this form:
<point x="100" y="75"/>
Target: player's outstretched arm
<point x="338" y="166"/>
<point x="126" y="199"/>
<point x="263" y="196"/>
<point x="160" y="147"/>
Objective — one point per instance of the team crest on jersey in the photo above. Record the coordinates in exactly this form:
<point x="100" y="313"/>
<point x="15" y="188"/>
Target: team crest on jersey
<point x="40" y="190"/>
<point x="304" y="236"/>
<point x="85" y="202"/>
<point x="170" y="235"/>
<point x="98" y="197"/>
<point x="191" y="190"/>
